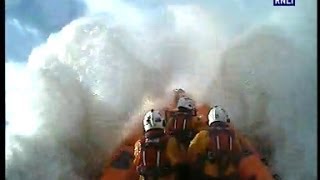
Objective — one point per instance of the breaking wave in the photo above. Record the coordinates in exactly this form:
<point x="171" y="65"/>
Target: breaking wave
<point x="66" y="109"/>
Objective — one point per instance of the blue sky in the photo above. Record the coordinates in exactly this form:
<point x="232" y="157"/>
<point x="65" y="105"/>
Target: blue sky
<point x="30" y="22"/>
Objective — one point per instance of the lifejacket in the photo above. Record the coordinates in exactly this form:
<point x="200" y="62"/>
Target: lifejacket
<point x="222" y="148"/>
<point x="153" y="158"/>
<point x="181" y="126"/>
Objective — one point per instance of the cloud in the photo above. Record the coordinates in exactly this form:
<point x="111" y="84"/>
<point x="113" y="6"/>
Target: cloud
<point x="20" y="40"/>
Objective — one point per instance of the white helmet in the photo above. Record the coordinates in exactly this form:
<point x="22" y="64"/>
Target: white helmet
<point x="186" y="102"/>
<point x="218" y="114"/>
<point x="153" y="120"/>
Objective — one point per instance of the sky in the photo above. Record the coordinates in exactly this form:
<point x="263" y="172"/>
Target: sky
<point x="29" y="23"/>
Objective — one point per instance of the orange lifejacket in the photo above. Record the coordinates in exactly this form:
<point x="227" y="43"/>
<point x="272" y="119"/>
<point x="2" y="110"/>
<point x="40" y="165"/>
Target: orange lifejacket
<point x="222" y="148"/>
<point x="222" y="139"/>
<point x="153" y="161"/>
<point x="180" y="126"/>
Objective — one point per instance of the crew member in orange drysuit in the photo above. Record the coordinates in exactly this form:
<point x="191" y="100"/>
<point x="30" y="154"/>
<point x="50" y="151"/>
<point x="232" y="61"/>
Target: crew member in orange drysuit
<point x="183" y="123"/>
<point x="217" y="153"/>
<point x="156" y="154"/>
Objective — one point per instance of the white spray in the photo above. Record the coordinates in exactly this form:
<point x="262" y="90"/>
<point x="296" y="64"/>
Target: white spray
<point x="82" y="86"/>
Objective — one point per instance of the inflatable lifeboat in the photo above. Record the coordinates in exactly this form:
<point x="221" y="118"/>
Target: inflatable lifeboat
<point x="119" y="165"/>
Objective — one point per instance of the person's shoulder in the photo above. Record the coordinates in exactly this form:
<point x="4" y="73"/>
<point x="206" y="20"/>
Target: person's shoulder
<point x="232" y="128"/>
<point x="231" y="125"/>
<point x="138" y="142"/>
<point x="203" y="133"/>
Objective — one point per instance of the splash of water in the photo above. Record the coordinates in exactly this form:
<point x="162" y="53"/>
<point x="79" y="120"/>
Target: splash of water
<point x="89" y="78"/>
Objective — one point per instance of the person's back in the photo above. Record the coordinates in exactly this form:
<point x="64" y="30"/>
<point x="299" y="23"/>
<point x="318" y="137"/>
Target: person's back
<point x="183" y="123"/>
<point x="156" y="153"/>
<point x="215" y="152"/>
<point x="220" y="152"/>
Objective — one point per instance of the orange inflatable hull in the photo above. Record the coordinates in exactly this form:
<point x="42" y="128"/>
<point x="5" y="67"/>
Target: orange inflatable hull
<point x="250" y="166"/>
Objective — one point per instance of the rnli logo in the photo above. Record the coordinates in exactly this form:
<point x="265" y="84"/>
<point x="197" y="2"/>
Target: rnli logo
<point x="283" y="2"/>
